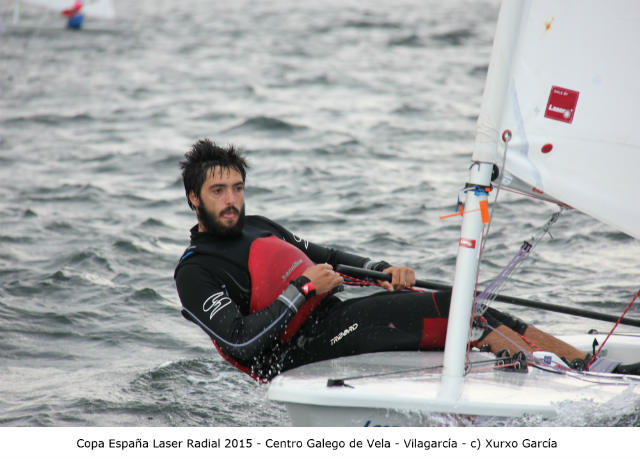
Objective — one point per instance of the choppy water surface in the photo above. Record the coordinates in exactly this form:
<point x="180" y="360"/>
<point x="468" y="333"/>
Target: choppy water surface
<point x="358" y="120"/>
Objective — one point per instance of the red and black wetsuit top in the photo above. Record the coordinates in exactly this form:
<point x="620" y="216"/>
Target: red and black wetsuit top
<point x="237" y="289"/>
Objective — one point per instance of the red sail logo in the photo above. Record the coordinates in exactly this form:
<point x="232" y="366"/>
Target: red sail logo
<point x="561" y="105"/>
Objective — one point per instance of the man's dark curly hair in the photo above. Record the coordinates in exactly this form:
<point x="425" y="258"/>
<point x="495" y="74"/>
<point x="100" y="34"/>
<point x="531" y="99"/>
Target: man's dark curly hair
<point x="204" y="156"/>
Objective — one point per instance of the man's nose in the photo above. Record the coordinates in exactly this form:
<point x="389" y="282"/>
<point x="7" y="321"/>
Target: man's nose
<point x="230" y="196"/>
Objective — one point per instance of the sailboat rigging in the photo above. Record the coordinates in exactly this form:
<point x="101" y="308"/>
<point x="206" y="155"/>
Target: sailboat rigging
<point x="558" y="119"/>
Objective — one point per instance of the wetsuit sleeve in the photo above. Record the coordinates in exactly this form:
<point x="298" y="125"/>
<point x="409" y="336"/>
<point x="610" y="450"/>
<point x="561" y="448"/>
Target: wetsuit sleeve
<point x="240" y="336"/>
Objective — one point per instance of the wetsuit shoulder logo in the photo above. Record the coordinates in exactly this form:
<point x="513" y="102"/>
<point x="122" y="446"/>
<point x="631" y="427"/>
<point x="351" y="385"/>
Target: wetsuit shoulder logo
<point x="215" y="303"/>
<point x="299" y="240"/>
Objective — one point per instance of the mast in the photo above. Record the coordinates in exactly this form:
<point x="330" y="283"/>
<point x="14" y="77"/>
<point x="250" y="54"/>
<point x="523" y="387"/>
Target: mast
<point x="486" y="146"/>
<point x="466" y="273"/>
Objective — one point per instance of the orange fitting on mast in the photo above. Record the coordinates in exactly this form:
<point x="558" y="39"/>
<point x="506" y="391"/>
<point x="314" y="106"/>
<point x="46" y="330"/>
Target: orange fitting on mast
<point x="484" y="211"/>
<point x="460" y="212"/>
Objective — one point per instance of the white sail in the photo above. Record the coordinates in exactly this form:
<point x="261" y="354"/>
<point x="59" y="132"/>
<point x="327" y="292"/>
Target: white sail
<point x="563" y="79"/>
<point x="91" y="8"/>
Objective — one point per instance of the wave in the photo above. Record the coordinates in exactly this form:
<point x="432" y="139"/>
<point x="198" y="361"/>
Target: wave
<point x="372" y="24"/>
<point x="50" y="119"/>
<point x="412" y="40"/>
<point x="457" y="37"/>
<point x="266" y="123"/>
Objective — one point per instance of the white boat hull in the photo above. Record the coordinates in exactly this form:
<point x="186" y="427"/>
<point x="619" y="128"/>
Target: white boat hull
<point x="423" y="397"/>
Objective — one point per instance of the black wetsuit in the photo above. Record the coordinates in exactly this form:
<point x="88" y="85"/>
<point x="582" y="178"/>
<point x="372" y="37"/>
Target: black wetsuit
<point x="214" y="284"/>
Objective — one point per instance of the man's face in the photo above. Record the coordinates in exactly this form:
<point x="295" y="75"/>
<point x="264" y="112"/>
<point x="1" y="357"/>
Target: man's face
<point x="220" y="206"/>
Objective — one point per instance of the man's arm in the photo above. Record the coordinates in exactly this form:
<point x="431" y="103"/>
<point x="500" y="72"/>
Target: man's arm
<point x="240" y="336"/>
<point x="321" y="254"/>
<point x="402" y="276"/>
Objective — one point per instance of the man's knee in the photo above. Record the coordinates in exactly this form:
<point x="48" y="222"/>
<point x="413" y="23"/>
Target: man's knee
<point x="496" y="318"/>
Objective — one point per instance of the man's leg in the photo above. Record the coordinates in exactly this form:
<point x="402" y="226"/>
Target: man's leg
<point x="504" y="338"/>
<point x="539" y="340"/>
<point x="553" y="344"/>
<point x="388" y="321"/>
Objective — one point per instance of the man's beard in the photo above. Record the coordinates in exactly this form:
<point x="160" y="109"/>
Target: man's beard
<point x="212" y="224"/>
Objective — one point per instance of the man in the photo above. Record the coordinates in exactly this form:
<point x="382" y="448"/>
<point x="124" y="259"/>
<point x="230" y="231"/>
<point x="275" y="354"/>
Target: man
<point x="266" y="296"/>
<point x="74" y="16"/>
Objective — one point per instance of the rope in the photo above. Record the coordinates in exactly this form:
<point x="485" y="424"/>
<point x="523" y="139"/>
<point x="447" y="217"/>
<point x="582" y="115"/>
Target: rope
<point x="481" y="302"/>
<point x="467" y="364"/>
<point x="595" y="354"/>
<point x="348" y="280"/>
<point x="493" y="289"/>
<point x="506" y="137"/>
<point x="489" y="364"/>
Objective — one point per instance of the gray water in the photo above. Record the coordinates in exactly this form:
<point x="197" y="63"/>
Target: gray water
<point x="358" y="121"/>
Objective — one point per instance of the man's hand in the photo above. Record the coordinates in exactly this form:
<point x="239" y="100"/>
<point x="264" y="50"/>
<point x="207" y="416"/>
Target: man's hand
<point x="323" y="277"/>
<point x="401" y="277"/>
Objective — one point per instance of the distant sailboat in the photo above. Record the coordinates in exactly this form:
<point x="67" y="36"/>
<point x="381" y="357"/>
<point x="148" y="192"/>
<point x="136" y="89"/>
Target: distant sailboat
<point x="558" y="119"/>
<point x="102" y="9"/>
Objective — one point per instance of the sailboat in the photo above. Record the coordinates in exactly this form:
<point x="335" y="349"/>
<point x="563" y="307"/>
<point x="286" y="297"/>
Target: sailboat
<point x="557" y="123"/>
<point x="101" y="9"/>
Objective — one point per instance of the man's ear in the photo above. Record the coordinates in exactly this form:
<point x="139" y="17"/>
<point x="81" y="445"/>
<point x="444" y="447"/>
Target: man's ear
<point x="193" y="198"/>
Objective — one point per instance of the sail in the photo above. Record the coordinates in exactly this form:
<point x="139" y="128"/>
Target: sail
<point x="563" y="79"/>
<point x="91" y="8"/>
